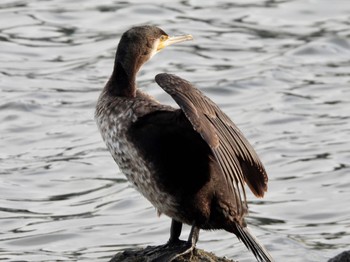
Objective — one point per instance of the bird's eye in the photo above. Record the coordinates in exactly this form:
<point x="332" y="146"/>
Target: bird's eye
<point x="163" y="38"/>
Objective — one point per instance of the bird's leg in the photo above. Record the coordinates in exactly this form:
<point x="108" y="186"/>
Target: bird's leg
<point x="175" y="231"/>
<point x="190" y="244"/>
<point x="173" y="245"/>
<point x="172" y="248"/>
<point x="193" y="237"/>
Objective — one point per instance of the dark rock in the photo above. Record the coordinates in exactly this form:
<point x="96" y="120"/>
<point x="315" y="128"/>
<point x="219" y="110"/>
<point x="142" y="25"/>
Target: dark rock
<point x="342" y="257"/>
<point x="161" y="253"/>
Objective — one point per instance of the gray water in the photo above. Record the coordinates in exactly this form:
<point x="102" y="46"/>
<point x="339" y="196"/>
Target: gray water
<point x="279" y="69"/>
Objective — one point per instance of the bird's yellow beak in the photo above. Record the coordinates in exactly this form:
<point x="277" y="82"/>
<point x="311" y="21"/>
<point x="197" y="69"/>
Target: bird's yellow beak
<point x="165" y="40"/>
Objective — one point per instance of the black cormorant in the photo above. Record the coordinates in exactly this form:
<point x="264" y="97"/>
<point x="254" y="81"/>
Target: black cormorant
<point x="190" y="163"/>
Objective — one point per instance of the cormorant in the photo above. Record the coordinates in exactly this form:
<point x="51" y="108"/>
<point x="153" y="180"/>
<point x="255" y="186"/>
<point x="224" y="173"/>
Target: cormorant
<point x="191" y="163"/>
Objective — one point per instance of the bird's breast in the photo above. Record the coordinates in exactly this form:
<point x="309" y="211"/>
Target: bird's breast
<point x="114" y="125"/>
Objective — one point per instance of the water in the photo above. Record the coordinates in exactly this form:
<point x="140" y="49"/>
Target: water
<point x="279" y="69"/>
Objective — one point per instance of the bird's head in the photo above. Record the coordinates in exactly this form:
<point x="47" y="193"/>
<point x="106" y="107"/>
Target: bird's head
<point x="136" y="47"/>
<point x="143" y="42"/>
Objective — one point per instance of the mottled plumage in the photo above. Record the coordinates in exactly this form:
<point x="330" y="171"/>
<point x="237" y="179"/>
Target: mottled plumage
<point x="190" y="163"/>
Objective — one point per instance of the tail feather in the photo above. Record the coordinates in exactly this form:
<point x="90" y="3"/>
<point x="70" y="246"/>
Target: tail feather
<point x="253" y="245"/>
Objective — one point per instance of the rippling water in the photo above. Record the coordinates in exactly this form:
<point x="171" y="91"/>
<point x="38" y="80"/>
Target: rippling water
<point x="280" y="69"/>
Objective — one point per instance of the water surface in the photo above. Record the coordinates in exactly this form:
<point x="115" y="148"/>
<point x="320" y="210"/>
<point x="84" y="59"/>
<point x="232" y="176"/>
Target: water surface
<point x="279" y="69"/>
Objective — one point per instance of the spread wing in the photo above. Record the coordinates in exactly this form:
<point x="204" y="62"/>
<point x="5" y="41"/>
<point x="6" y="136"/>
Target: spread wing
<point x="237" y="158"/>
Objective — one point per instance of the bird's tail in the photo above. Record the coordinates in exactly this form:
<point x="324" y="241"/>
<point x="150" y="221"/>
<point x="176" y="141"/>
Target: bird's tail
<point x="253" y="244"/>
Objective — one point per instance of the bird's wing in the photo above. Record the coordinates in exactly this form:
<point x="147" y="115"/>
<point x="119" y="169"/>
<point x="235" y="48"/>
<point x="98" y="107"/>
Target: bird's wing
<point x="236" y="157"/>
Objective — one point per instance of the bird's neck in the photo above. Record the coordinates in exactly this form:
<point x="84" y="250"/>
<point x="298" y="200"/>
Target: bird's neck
<point x="123" y="79"/>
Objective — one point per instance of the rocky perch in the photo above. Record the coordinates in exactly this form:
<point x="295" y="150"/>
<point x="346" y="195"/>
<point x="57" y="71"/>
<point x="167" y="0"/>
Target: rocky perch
<point x="342" y="257"/>
<point x="161" y="253"/>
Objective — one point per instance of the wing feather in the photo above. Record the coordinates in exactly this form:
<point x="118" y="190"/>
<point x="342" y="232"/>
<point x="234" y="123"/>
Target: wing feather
<point x="237" y="159"/>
